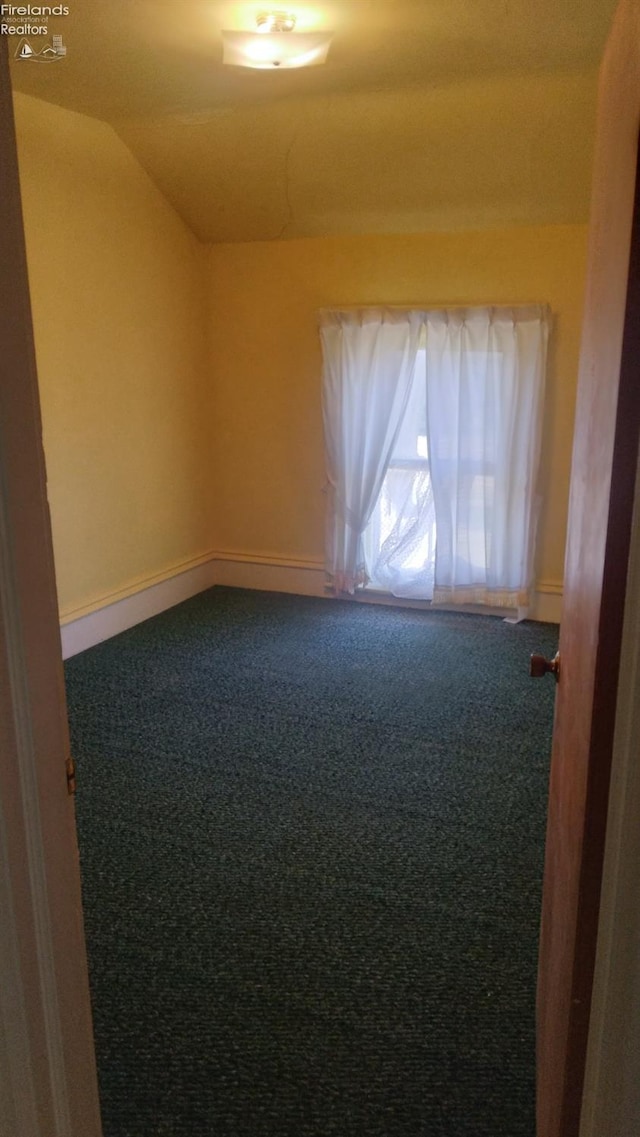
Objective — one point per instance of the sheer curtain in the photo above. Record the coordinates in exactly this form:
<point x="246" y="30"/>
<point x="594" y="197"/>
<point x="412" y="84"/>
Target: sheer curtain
<point x="400" y="539"/>
<point x="369" y="360"/>
<point x="485" y="388"/>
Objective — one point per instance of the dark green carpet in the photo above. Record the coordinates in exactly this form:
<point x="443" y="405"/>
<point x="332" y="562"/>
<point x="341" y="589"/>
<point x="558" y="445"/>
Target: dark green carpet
<point x="311" y="838"/>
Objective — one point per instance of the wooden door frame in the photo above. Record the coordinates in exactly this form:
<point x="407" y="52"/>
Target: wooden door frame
<point x="48" y="1085"/>
<point x="611" y="1100"/>
<point x="605" y="453"/>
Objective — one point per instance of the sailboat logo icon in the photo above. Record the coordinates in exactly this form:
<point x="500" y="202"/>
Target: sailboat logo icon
<point x="50" y="53"/>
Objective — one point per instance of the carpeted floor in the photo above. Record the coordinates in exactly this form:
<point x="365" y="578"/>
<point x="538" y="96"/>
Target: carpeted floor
<point x="311" y="840"/>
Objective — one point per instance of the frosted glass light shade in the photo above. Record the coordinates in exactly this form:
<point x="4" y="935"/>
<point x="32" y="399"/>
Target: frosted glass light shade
<point x="276" y="50"/>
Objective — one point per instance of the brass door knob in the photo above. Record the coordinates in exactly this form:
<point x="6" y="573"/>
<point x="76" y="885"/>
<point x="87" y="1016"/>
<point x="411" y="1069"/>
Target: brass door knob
<point x="539" y="665"/>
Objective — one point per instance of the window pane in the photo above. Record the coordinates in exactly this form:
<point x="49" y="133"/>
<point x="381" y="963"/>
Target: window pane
<point x="412" y="439"/>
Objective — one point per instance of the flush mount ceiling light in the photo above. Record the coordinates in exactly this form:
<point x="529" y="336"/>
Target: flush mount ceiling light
<point x="275" y="44"/>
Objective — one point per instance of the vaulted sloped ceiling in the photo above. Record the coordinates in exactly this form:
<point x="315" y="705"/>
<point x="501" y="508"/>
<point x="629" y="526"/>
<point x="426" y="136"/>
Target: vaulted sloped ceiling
<point x="429" y="114"/>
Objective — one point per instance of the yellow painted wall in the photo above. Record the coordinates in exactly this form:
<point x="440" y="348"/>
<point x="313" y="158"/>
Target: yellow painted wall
<point x="266" y="363"/>
<point x="161" y="446"/>
<point x="117" y="295"/>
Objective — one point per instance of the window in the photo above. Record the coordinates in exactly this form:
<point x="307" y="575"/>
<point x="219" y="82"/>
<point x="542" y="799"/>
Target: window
<point x="399" y="542"/>
<point x="432" y="428"/>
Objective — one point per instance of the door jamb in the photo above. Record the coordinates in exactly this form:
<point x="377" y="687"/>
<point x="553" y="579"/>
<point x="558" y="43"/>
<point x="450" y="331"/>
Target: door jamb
<point x="611" y="1101"/>
<point x="47" y="1065"/>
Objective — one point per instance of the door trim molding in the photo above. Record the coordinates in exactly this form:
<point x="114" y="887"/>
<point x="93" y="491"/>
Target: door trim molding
<point x="47" y="1062"/>
<point x="611" y="1102"/>
<point x="25" y="767"/>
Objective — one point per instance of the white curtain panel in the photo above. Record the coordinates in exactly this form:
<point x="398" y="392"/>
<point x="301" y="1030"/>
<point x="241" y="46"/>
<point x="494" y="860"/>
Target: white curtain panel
<point x="485" y="389"/>
<point x="369" y="360"/>
<point x="400" y="539"/>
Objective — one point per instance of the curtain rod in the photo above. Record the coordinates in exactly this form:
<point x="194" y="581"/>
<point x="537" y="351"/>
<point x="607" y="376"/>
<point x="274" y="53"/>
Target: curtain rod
<point x="433" y="307"/>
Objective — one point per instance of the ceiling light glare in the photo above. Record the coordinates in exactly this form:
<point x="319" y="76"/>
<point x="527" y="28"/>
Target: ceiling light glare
<point x="269" y="22"/>
<point x="275" y="45"/>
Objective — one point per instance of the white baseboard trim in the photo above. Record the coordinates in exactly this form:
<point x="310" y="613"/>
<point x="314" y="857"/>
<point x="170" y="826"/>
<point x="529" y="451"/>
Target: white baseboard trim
<point x="547" y="602"/>
<point x="307" y="578"/>
<point x="270" y="573"/>
<point x="106" y="617"/>
<point x="98" y="621"/>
